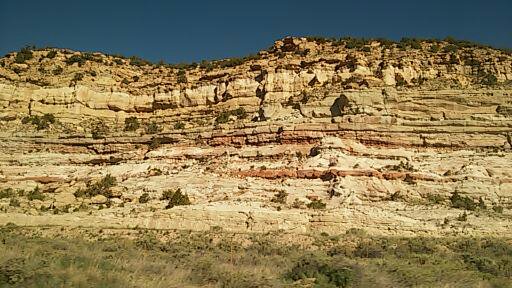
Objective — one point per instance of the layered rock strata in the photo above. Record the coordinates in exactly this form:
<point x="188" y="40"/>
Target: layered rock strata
<point x="384" y="136"/>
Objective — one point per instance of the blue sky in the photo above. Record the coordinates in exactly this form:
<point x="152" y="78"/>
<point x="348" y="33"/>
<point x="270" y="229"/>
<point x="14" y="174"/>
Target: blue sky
<point x="191" y="30"/>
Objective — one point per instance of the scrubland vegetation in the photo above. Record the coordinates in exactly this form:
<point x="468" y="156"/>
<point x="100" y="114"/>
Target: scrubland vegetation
<point x="221" y="259"/>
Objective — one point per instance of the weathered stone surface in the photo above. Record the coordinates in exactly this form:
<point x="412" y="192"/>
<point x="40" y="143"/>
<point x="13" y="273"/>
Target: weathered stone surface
<point x="384" y="139"/>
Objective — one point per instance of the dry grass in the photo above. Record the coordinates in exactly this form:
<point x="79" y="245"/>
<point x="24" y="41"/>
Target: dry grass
<point x="219" y="259"/>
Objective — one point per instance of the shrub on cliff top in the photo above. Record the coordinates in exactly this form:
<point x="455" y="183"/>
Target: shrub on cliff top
<point x="24" y="55"/>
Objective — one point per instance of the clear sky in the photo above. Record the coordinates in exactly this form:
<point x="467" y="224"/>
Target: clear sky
<point x="191" y="30"/>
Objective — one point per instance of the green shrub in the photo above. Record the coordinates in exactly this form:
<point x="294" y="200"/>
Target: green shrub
<point x="75" y="59"/>
<point x="176" y="199"/>
<point x="167" y="194"/>
<point x="280" y="197"/>
<point x="482" y="264"/>
<point x="7" y="193"/>
<point x="24" y="55"/>
<point x="326" y="273"/>
<point x="51" y="54"/>
<point x="182" y="77"/>
<point x="12" y="272"/>
<point x="434" y="48"/>
<point x="371" y="249"/>
<point x="489" y="80"/>
<point x="14" y="202"/>
<point x="152" y="128"/>
<point x="99" y="130"/>
<point x="414" y="43"/>
<point x="77" y="77"/>
<point x="498" y="209"/>
<point x="316" y="204"/>
<point x="136" y="61"/>
<point x="435" y="198"/>
<point x="57" y="71"/>
<point x="462" y="217"/>
<point x="155" y="143"/>
<point x="179" y="125"/>
<point x="101" y="187"/>
<point x="147" y="241"/>
<point x="131" y="124"/>
<point x="240" y="113"/>
<point x="41" y="122"/>
<point x="223" y="117"/>
<point x="144" y="198"/>
<point x="450" y="49"/>
<point x="35" y="194"/>
<point x="462" y="202"/>
<point x="354" y="43"/>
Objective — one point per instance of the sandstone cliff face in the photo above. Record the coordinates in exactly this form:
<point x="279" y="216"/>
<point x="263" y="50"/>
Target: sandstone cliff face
<point x="390" y="138"/>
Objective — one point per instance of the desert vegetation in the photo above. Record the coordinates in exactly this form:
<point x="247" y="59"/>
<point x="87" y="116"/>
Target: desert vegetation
<point x="222" y="259"/>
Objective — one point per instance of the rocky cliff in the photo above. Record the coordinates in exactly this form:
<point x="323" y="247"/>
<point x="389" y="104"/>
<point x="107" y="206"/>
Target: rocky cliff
<point x="405" y="138"/>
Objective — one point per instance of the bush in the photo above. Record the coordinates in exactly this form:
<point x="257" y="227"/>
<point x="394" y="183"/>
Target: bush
<point x="75" y="59"/>
<point x="498" y="209"/>
<point x="414" y="43"/>
<point x="435" y="198"/>
<point x="223" y="117"/>
<point x="152" y="128"/>
<point x="462" y="202"/>
<point x="51" y="54"/>
<point x="24" y="55"/>
<point x="326" y="273"/>
<point x="99" y="130"/>
<point x="131" y="124"/>
<point x="41" y="122"/>
<point x="179" y="125"/>
<point x="35" y="194"/>
<point x="450" y="49"/>
<point x="14" y="202"/>
<point x="434" y="48"/>
<point x="462" y="217"/>
<point x="176" y="199"/>
<point x="144" y="198"/>
<point x="7" y="193"/>
<point x="370" y="249"/>
<point x="136" y="61"/>
<point x="182" y="77"/>
<point x="489" y="80"/>
<point x="316" y="204"/>
<point x="167" y="194"/>
<point x="280" y="197"/>
<point x="77" y="77"/>
<point x="57" y="71"/>
<point x="147" y="241"/>
<point x="101" y="187"/>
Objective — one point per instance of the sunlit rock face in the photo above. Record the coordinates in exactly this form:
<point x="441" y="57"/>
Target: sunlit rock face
<point x="309" y="135"/>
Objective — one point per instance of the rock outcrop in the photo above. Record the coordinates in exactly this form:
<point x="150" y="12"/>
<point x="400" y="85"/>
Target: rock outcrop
<point x="395" y="138"/>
